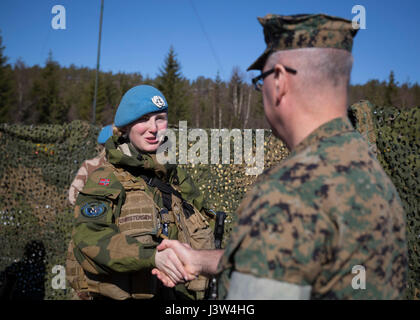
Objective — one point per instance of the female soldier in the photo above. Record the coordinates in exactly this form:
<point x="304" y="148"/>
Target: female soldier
<point x="132" y="202"/>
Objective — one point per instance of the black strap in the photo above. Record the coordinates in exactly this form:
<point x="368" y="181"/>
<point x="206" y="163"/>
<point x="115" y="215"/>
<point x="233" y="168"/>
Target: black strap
<point x="167" y="190"/>
<point x="219" y="229"/>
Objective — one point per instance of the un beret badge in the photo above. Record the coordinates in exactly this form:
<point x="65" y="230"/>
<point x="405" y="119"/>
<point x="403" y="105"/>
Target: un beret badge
<point x="158" y="101"/>
<point x="93" y="209"/>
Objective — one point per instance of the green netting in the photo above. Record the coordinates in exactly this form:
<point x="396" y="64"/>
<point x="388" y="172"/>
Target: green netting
<point x="394" y="135"/>
<point x="36" y="167"/>
<point x="398" y="142"/>
<point x="38" y="164"/>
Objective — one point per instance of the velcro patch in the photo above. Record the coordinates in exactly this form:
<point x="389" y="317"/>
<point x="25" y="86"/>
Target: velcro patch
<point x="93" y="209"/>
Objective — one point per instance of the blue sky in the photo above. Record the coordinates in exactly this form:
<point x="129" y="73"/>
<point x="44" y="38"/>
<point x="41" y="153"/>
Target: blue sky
<point x="208" y="35"/>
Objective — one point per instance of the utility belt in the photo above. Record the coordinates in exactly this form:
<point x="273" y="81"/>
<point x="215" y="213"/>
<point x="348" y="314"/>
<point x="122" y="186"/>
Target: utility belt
<point x="140" y="217"/>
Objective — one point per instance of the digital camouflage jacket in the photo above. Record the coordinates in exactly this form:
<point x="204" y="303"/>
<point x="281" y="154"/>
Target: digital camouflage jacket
<point x="318" y="219"/>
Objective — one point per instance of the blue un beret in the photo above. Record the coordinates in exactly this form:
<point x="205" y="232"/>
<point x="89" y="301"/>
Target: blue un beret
<point x="105" y="133"/>
<point x="138" y="101"/>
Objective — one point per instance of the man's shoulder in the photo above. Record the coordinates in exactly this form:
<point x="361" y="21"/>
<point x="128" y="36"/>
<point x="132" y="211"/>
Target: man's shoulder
<point x="339" y="166"/>
<point x="330" y="157"/>
<point x="297" y="169"/>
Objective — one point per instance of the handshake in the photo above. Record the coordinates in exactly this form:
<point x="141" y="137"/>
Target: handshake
<point x="177" y="262"/>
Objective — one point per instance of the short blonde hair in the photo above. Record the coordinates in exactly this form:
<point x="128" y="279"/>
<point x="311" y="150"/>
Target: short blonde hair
<point x="116" y="131"/>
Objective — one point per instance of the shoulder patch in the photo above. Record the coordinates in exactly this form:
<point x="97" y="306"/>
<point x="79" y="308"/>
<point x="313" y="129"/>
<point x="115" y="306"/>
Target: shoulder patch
<point x="101" y="172"/>
<point x="93" y="209"/>
<point x="103" y="182"/>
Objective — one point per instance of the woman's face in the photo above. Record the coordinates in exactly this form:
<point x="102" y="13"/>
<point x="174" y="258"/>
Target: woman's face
<point x="143" y="132"/>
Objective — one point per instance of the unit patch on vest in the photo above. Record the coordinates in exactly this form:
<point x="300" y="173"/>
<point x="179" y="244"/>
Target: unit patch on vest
<point x="93" y="209"/>
<point x="104" y="182"/>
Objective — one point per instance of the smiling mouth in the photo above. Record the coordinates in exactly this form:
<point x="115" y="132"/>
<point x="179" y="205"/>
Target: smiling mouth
<point x="152" y="140"/>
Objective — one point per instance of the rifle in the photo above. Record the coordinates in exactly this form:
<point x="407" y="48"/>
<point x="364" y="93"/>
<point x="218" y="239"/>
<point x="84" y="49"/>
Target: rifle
<point x="219" y="228"/>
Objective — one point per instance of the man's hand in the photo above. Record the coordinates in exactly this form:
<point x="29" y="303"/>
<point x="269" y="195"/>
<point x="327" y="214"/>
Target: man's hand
<point x="188" y="256"/>
<point x="185" y="254"/>
<point x="168" y="263"/>
<point x="195" y="262"/>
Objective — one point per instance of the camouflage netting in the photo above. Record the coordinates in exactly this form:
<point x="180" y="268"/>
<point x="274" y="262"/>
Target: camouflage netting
<point x="395" y="137"/>
<point x="36" y="167"/>
<point x="38" y="164"/>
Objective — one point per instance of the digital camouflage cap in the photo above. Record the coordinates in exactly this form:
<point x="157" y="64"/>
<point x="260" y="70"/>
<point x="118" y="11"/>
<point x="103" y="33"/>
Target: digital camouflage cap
<point x="304" y="31"/>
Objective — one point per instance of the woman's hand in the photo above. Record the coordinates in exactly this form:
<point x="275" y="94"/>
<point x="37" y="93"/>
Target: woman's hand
<point x="194" y="262"/>
<point x="168" y="263"/>
<point x="167" y="280"/>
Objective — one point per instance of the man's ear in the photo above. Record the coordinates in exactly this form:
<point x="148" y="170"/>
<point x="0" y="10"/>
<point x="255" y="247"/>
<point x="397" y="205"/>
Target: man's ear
<point x="280" y="82"/>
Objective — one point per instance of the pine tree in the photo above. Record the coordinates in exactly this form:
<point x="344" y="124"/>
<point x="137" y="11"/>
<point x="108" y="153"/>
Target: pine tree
<point x="202" y="103"/>
<point x="217" y="102"/>
<point x="112" y="96"/>
<point x="236" y="93"/>
<point x="374" y="92"/>
<point x="257" y="112"/>
<point x="391" y="90"/>
<point x="174" y="87"/>
<point x="22" y="80"/>
<point x="6" y="87"/>
<point x="85" y="109"/>
<point x="45" y="93"/>
<point x="124" y="84"/>
<point x="73" y="90"/>
<point x="416" y="93"/>
<point x="101" y="100"/>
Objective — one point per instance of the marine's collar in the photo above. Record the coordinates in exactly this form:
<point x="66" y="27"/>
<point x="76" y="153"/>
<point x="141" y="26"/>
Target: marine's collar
<point x="329" y="129"/>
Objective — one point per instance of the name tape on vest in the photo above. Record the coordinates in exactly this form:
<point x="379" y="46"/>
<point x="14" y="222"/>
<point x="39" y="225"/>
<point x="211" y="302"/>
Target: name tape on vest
<point x="135" y="218"/>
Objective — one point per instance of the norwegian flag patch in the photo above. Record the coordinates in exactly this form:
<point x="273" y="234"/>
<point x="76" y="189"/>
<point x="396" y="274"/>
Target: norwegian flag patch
<point x="104" y="182"/>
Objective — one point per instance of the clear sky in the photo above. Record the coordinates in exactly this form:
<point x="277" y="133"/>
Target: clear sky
<point x="207" y="35"/>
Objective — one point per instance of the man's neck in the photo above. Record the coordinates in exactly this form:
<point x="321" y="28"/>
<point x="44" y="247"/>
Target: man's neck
<point x="305" y="124"/>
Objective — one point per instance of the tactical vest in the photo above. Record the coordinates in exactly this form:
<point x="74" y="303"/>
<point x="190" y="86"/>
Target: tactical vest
<point x="141" y="218"/>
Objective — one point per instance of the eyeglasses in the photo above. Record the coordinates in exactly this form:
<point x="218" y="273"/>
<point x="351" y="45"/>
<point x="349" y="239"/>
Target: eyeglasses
<point x="259" y="81"/>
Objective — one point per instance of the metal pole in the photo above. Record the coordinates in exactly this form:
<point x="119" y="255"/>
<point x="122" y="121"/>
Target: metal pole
<point x="97" y="64"/>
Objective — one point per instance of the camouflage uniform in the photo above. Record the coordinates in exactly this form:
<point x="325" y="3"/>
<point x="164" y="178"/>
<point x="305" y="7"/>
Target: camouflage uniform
<point x="327" y="208"/>
<point x="118" y="225"/>
<point x="82" y="174"/>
